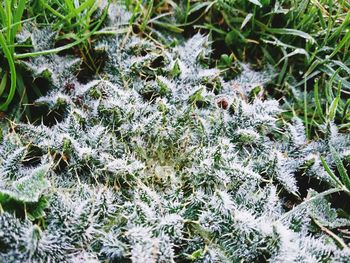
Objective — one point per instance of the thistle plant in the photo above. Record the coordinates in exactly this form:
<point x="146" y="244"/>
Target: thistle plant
<point x="159" y="159"/>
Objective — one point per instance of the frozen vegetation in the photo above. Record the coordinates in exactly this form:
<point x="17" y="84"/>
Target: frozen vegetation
<point x="159" y="159"/>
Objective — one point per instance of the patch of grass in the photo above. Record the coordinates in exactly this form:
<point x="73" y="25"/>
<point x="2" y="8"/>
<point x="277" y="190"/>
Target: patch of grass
<point x="75" y="22"/>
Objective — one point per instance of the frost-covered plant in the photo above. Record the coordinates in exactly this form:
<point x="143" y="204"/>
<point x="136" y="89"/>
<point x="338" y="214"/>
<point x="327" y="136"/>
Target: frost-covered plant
<point x="160" y="160"/>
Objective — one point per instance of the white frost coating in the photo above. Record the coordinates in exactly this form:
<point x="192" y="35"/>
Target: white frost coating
<point x="147" y="167"/>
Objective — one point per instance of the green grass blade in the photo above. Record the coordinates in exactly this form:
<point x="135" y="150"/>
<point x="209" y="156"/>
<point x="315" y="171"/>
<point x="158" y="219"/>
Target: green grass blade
<point x="317" y="101"/>
<point x="342" y="43"/>
<point x="340" y="166"/>
<point x="17" y="20"/>
<point x="147" y="17"/>
<point x="334" y="105"/>
<point x="3" y="84"/>
<point x="294" y="32"/>
<point x="53" y="11"/>
<point x="330" y="173"/>
<point x="3" y="16"/>
<point x="21" y="89"/>
<point x="8" y="17"/>
<point x="11" y="63"/>
<point x="333" y="109"/>
<point x="18" y="14"/>
<point x="306" y="121"/>
<point x="80" y="9"/>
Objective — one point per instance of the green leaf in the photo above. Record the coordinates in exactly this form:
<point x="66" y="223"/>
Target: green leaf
<point x="333" y="108"/>
<point x="17" y="18"/>
<point x="175" y="71"/>
<point x="334" y="105"/>
<point x="198" y="99"/>
<point x="196" y="254"/>
<point x="29" y="188"/>
<point x="294" y="32"/>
